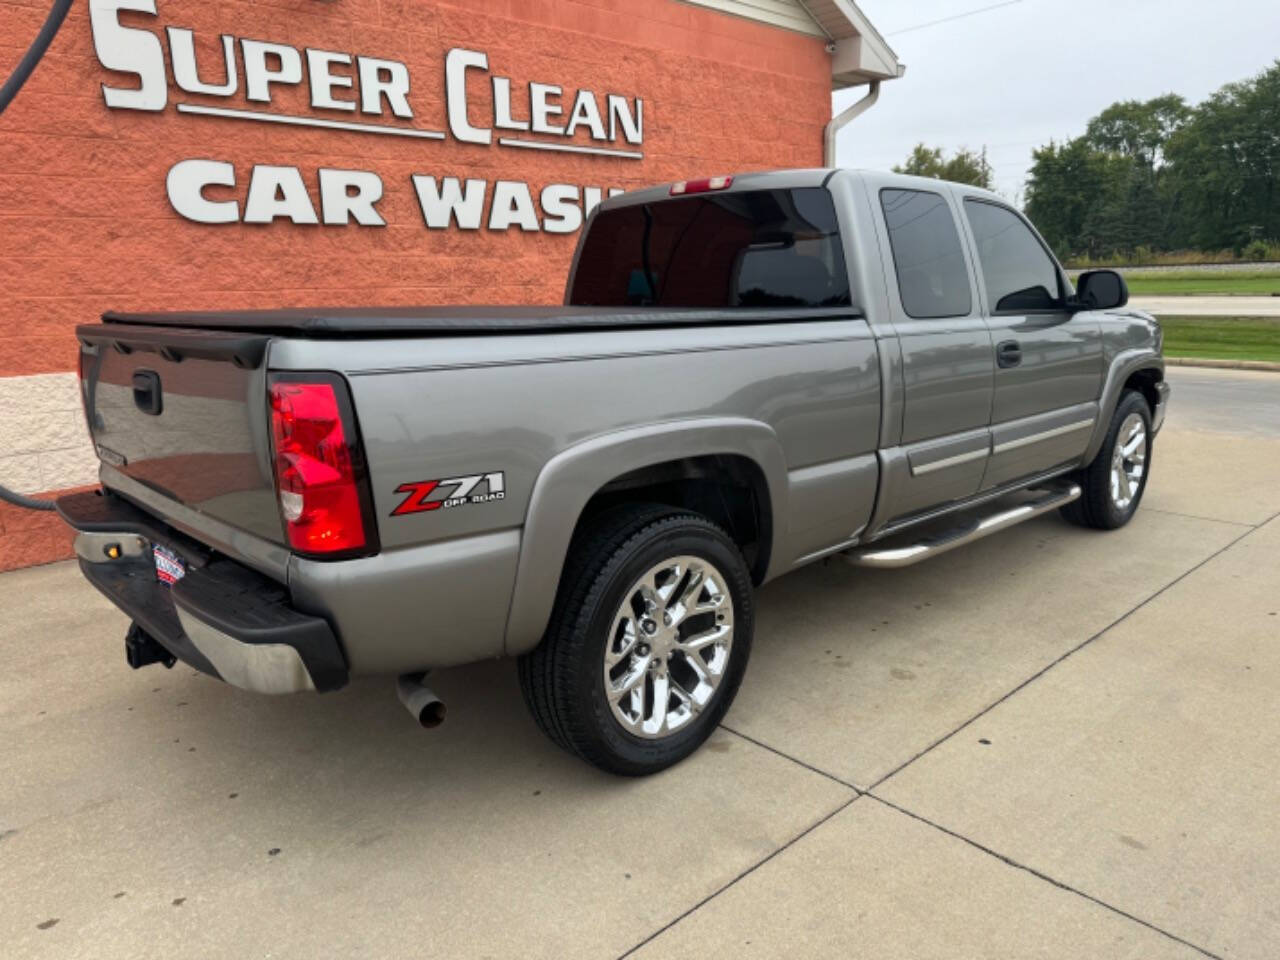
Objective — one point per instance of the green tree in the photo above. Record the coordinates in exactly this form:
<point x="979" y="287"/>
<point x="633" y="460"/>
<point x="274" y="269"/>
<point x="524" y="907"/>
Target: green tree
<point x="1224" y="167"/>
<point x="1139" y="129"/>
<point x="1066" y="183"/>
<point x="965" y="166"/>
<point x="1126" y="214"/>
<point x="1090" y="201"/>
<point x="1131" y="212"/>
<point x="1161" y="175"/>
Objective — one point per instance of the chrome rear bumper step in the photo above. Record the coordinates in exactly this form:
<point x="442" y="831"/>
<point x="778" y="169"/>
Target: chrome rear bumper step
<point x="891" y="557"/>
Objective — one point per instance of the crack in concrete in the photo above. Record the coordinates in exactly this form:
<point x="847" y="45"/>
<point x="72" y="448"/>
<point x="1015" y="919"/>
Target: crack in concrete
<point x="745" y="873"/>
<point x="786" y="756"/>
<point x="1044" y="876"/>
<point x="1192" y="516"/>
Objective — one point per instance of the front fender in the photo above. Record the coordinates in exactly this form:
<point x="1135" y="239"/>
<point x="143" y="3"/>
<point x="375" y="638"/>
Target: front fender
<point x="575" y="475"/>
<point x="1124" y="365"/>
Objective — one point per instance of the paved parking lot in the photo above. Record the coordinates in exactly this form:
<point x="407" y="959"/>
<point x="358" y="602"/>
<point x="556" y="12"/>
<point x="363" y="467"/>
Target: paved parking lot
<point x="1054" y="743"/>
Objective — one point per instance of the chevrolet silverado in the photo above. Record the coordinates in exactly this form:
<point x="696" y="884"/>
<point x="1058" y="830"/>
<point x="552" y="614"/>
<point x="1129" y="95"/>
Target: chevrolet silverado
<point x="748" y="374"/>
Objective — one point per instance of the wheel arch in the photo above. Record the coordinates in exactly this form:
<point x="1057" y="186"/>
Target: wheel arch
<point x="676" y="462"/>
<point x="1139" y="369"/>
<point x="728" y="489"/>
<point x="1144" y="380"/>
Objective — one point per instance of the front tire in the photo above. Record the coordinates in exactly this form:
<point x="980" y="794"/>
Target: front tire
<point x="648" y="641"/>
<point x="1113" y="484"/>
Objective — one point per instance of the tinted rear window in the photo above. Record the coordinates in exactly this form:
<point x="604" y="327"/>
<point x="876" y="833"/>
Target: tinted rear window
<point x="765" y="248"/>
<point x="932" y="277"/>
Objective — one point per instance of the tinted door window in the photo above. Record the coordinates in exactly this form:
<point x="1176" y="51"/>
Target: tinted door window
<point x="927" y="255"/>
<point x="764" y="248"/>
<point x="1019" y="273"/>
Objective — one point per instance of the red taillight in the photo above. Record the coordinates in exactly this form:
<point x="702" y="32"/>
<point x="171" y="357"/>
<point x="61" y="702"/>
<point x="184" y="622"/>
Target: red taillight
<point x="316" y="468"/>
<point x="705" y="185"/>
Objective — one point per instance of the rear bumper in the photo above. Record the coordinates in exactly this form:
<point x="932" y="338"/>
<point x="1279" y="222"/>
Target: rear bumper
<point x="1162" y="406"/>
<point x="221" y="618"/>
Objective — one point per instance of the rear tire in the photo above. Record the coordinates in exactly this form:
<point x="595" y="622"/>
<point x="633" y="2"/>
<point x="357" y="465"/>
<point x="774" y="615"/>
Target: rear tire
<point x="1113" y="484"/>
<point x="646" y="589"/>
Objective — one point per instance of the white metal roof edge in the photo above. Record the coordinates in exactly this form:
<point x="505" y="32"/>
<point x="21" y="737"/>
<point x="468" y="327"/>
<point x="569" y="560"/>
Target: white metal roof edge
<point x="887" y="66"/>
<point x="861" y="53"/>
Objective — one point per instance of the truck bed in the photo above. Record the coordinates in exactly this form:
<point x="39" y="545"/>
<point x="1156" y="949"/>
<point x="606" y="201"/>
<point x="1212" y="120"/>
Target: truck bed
<point x="340" y="323"/>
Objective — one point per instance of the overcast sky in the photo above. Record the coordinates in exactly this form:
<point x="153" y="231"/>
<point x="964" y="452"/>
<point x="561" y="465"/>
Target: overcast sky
<point x="1015" y="77"/>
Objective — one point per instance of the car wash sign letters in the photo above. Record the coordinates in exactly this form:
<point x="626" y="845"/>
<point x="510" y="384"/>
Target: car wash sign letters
<point x="363" y="94"/>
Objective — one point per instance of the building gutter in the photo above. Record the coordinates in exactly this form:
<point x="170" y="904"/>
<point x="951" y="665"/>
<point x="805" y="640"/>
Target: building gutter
<point x="842" y="119"/>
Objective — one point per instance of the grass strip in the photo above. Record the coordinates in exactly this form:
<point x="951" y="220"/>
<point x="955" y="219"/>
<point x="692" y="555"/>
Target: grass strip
<point x="1222" y="338"/>
<point x="1205" y="283"/>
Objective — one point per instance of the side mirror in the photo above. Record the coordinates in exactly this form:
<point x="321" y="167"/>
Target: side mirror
<point x="1100" y="290"/>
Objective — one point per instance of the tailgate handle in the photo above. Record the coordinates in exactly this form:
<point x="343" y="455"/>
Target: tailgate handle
<point x="146" y="392"/>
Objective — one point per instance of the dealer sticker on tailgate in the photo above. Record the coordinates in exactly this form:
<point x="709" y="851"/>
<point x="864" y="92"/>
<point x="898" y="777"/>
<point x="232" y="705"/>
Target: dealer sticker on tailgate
<point x="169" y="566"/>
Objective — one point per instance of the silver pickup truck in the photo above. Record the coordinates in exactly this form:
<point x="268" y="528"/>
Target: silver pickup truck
<point x="749" y="374"/>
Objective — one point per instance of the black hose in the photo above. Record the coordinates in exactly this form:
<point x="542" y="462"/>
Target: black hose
<point x="21" y="73"/>
<point x="18" y="500"/>
<point x="28" y="63"/>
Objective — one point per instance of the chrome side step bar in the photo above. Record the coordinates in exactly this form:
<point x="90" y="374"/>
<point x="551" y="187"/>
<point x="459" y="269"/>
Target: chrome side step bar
<point x="975" y="529"/>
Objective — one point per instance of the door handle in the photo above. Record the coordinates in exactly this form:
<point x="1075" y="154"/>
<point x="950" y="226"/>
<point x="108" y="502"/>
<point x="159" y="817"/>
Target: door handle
<point x="1008" y="353"/>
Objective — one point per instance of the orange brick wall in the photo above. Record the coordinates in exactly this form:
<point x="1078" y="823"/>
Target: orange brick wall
<point x="86" y="224"/>
<point x="29" y="537"/>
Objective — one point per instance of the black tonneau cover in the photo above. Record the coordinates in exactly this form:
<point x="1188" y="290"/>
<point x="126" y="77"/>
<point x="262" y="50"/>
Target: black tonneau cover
<point x="339" y="322"/>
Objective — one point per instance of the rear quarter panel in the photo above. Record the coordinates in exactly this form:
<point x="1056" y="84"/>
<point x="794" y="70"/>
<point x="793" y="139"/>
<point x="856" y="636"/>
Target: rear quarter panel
<point x="435" y="409"/>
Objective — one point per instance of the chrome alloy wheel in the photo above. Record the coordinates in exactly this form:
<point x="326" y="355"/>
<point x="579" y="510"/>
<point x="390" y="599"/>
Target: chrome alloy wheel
<point x="1128" y="461"/>
<point x="668" y="647"/>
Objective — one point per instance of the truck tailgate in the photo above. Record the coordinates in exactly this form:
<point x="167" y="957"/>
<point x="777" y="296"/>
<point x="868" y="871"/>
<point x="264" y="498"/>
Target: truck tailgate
<point x="184" y="412"/>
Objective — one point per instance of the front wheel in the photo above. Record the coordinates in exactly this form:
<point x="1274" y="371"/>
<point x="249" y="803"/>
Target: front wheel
<point x="648" y="641"/>
<point x="1113" y="484"/>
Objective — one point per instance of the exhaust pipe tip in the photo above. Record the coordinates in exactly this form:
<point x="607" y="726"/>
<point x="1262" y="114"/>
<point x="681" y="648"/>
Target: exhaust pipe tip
<point x="420" y="700"/>
<point x="432" y="714"/>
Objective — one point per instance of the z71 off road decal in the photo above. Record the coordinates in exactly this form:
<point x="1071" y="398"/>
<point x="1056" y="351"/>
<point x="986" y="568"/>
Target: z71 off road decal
<point x="428" y="495"/>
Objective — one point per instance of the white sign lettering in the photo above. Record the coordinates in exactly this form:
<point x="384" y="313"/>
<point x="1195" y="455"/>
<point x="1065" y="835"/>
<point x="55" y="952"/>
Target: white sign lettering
<point x="280" y="193"/>
<point x="456" y="65"/>
<point x="350" y="88"/>
<point x="186" y="183"/>
<point x="129" y="51"/>
<point x="450" y="202"/>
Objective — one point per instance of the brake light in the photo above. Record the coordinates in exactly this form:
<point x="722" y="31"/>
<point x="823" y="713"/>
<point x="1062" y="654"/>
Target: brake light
<point x="318" y="467"/>
<point x="705" y="185"/>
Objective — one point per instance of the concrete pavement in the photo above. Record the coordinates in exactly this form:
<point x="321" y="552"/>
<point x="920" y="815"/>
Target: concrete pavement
<point x="1227" y="401"/>
<point x="1053" y="743"/>
<point x="1206" y="306"/>
<point x="1142" y="770"/>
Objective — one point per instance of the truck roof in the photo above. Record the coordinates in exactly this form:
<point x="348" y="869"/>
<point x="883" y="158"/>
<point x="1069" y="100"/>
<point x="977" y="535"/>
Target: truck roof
<point x="793" y="180"/>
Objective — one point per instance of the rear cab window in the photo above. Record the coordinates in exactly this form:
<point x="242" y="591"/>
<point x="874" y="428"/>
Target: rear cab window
<point x="933" y="279"/>
<point x="1019" y="274"/>
<point x="760" y="248"/>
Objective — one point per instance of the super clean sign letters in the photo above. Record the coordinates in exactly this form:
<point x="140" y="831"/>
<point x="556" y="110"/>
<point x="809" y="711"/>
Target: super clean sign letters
<point x="363" y="94"/>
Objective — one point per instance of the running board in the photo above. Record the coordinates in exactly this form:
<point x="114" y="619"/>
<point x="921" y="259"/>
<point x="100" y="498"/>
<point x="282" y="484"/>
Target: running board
<point x="975" y="529"/>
